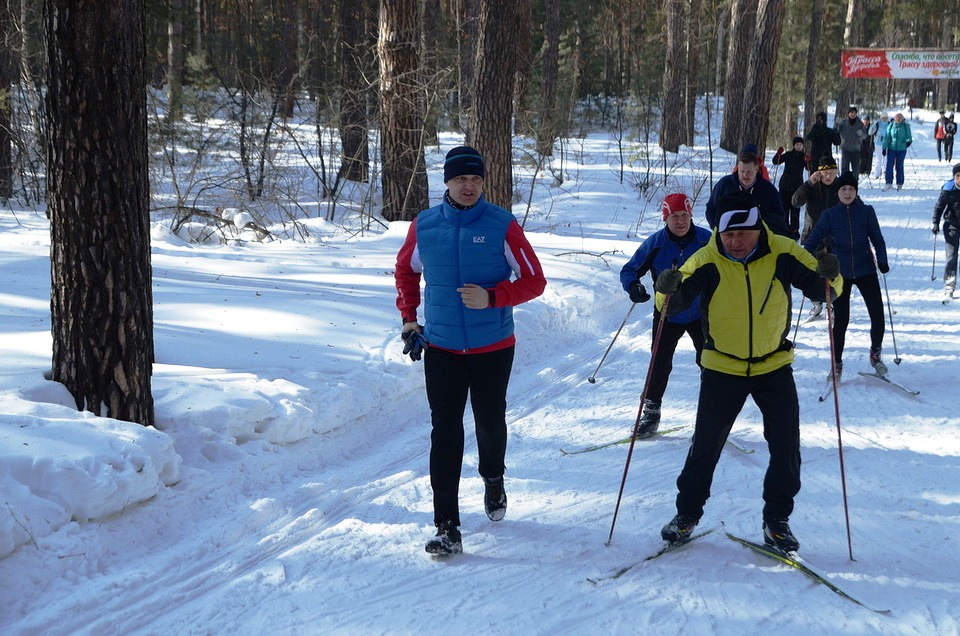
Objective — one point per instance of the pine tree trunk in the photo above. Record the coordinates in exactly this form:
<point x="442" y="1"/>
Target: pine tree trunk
<point x="492" y="118"/>
<point x="763" y="64"/>
<point x="546" y="130"/>
<point x="101" y="302"/>
<point x="401" y="120"/>
<point x="355" y="157"/>
<point x="813" y="50"/>
<point x="674" y="78"/>
<point x="742" y="27"/>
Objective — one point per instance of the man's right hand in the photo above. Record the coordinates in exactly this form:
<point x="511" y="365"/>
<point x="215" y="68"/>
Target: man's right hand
<point x="638" y="293"/>
<point x="668" y="282"/>
<point x="936" y="229"/>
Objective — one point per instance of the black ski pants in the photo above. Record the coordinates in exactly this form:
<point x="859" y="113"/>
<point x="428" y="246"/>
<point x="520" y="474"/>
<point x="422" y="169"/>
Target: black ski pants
<point x="869" y="287"/>
<point x="663" y="361"/>
<point x="951" y="240"/>
<point x="449" y="378"/>
<point x="722" y="397"/>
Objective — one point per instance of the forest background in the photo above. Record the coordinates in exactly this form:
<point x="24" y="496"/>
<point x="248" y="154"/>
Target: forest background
<point x="125" y="113"/>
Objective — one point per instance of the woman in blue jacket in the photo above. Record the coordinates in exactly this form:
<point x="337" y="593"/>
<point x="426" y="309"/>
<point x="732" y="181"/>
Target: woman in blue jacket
<point x="663" y="249"/>
<point x="850" y="228"/>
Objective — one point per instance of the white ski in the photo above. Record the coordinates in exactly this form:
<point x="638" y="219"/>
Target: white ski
<point x="892" y="383"/>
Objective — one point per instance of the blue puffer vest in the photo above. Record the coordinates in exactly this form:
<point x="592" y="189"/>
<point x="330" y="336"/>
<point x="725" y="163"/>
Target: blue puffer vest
<point x="458" y="247"/>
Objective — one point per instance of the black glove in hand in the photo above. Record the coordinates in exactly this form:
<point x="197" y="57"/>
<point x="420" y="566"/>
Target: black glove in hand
<point x="884" y="152"/>
<point x="638" y="293"/>
<point x="668" y="282"/>
<point x="936" y="228"/>
<point x="413" y="344"/>
<point x="884" y="268"/>
<point x="908" y="144"/>
<point x="828" y="266"/>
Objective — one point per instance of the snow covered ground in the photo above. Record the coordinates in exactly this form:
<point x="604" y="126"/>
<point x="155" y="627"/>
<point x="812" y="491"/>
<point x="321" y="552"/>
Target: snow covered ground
<point x="286" y="489"/>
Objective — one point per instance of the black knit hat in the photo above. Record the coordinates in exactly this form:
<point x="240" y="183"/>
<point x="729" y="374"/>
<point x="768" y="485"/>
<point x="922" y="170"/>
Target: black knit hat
<point x="462" y="160"/>
<point x="827" y="162"/>
<point x="798" y="140"/>
<point x="847" y="179"/>
<point x="956" y="168"/>
<point x="737" y="211"/>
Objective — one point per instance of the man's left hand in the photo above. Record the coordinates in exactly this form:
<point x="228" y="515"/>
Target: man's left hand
<point x="474" y="296"/>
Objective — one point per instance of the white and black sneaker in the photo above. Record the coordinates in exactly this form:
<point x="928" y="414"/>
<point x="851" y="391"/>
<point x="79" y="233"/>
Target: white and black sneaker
<point x="816" y="308"/>
<point x="494" y="498"/>
<point x="446" y="542"/>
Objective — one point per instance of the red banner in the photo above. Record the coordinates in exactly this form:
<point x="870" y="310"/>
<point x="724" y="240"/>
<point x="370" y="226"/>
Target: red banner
<point x="900" y="63"/>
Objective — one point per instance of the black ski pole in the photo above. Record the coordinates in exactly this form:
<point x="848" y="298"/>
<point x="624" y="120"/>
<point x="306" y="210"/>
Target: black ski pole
<point x="593" y="378"/>
<point x="933" y="268"/>
<point x="836" y="408"/>
<point x="893" y="336"/>
<point x="799" y="316"/>
<point x="643" y="397"/>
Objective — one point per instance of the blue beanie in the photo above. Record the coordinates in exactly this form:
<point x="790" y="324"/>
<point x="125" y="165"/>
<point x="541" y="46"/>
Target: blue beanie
<point x="462" y="160"/>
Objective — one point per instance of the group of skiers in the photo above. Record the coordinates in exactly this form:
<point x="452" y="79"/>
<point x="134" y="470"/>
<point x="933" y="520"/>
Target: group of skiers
<point x="735" y="282"/>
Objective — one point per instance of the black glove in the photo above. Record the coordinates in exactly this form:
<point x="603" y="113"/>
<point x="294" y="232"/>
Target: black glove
<point x="908" y="144"/>
<point x="936" y="228"/>
<point x="668" y="282"/>
<point x="884" y="152"/>
<point x="638" y="293"/>
<point x="413" y="344"/>
<point x="884" y="268"/>
<point x="828" y="266"/>
<point x="776" y="157"/>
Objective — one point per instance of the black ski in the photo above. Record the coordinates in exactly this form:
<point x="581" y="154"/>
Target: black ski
<point x="625" y="440"/>
<point x="890" y="382"/>
<point x="791" y="559"/>
<point x="669" y="547"/>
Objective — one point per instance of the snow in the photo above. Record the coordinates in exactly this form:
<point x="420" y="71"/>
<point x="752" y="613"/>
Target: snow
<point x="285" y="489"/>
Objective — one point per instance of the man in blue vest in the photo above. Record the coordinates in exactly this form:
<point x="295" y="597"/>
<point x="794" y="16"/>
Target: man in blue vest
<point x="477" y="264"/>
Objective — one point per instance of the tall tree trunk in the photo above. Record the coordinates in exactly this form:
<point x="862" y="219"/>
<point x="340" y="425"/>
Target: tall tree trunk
<point x="851" y="38"/>
<point x="547" y="128"/>
<point x="8" y="77"/>
<point x="175" y="60"/>
<point x="760" y="72"/>
<point x="493" y="106"/>
<point x="355" y="158"/>
<point x="286" y="25"/>
<point x="101" y="302"/>
<point x="674" y="77"/>
<point x="810" y="105"/>
<point x="401" y="120"/>
<point x="429" y="72"/>
<point x="523" y="120"/>
<point x="468" y="26"/>
<point x="743" y="21"/>
<point x="693" y="30"/>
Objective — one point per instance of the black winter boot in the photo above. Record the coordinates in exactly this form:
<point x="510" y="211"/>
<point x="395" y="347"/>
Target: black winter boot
<point x="649" y="419"/>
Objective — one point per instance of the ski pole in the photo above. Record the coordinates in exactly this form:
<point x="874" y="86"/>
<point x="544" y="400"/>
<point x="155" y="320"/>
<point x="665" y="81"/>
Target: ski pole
<point x="799" y="316"/>
<point x="933" y="268"/>
<point x="893" y="336"/>
<point x="643" y="397"/>
<point x="593" y="378"/>
<point x="836" y="408"/>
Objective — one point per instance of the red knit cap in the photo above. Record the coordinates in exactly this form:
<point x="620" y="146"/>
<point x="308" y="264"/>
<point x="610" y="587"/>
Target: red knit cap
<point x="675" y="203"/>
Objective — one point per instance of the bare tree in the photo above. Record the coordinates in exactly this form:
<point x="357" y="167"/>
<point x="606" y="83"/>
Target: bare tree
<point x="760" y="72"/>
<point x="810" y="104"/>
<point x="674" y="77"/>
<point x="853" y="28"/>
<point x="101" y="302"/>
<point x="8" y="76"/>
<point x="547" y="128"/>
<point x="355" y="159"/>
<point x="468" y="25"/>
<point x="401" y="118"/>
<point x="493" y="107"/>
<point x="175" y="60"/>
<point x="743" y="20"/>
<point x="694" y="42"/>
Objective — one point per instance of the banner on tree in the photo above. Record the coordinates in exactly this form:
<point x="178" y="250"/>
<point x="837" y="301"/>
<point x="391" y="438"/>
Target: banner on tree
<point x="901" y="63"/>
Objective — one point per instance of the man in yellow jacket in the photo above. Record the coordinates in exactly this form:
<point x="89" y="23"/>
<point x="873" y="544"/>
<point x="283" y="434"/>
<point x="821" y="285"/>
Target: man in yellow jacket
<point x="743" y="277"/>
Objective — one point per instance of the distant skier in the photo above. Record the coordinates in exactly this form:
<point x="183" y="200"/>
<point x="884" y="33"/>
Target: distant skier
<point x="794" y="162"/>
<point x="947" y="208"/>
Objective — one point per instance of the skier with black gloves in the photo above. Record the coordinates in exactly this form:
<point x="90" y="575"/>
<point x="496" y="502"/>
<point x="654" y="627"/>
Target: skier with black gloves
<point x="794" y="162"/>
<point x="663" y="249"/>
